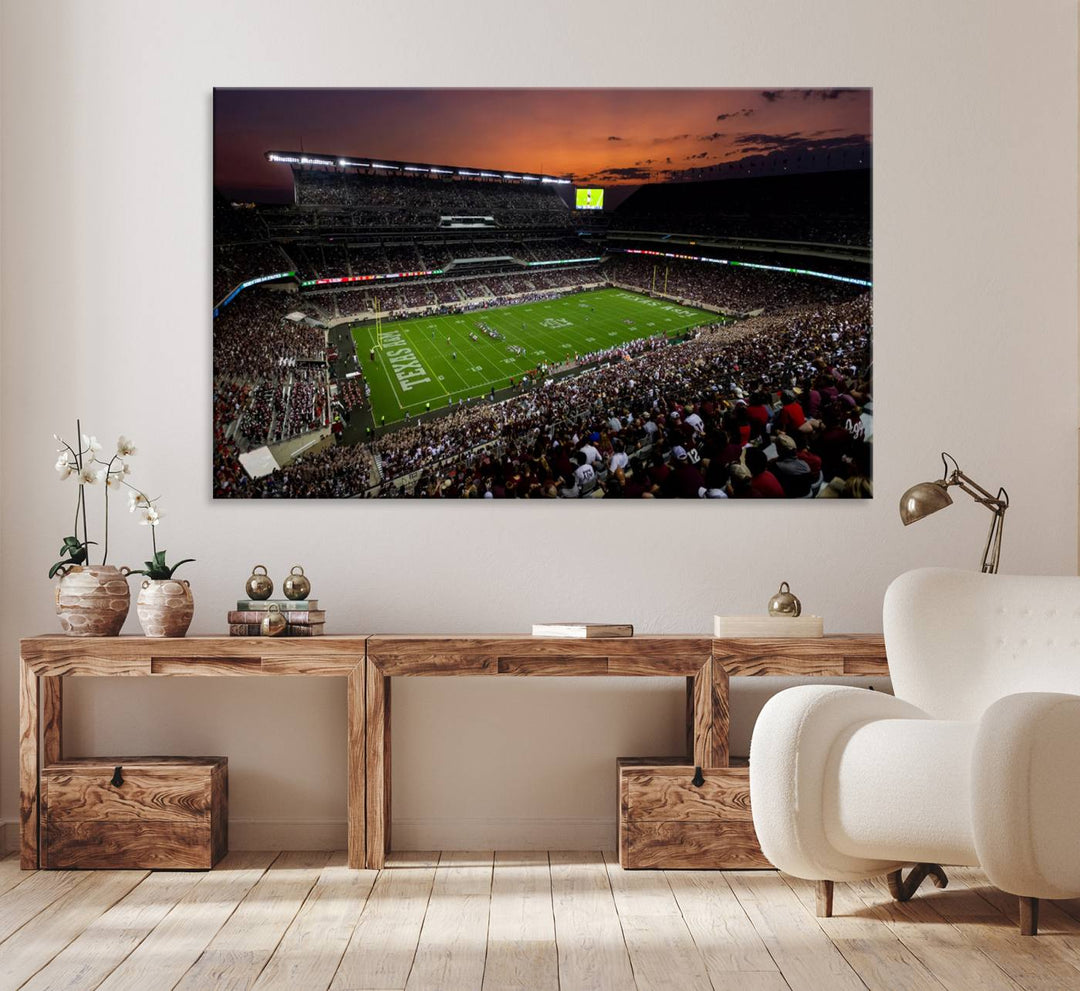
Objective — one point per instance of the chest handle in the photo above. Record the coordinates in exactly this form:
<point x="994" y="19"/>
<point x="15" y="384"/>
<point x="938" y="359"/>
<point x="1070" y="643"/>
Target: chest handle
<point x="117" y="777"/>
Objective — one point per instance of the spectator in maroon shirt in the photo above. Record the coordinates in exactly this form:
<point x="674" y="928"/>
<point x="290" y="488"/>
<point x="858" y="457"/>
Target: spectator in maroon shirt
<point x="685" y="481"/>
<point x="759" y="413"/>
<point x="763" y="483"/>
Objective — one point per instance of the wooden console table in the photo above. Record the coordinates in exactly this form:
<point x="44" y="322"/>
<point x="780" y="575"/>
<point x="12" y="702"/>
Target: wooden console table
<point x="368" y="664"/>
<point x="46" y="661"/>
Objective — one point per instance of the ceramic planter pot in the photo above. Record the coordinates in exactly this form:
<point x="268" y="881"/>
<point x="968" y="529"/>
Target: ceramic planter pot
<point x="93" y="600"/>
<point x="165" y="607"/>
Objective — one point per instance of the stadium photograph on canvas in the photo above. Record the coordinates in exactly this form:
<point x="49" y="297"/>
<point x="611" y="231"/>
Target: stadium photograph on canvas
<point x="542" y="294"/>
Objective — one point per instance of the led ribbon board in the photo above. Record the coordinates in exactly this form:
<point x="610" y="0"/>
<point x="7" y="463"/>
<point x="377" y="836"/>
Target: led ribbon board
<point x="247" y="285"/>
<point x="368" y="278"/>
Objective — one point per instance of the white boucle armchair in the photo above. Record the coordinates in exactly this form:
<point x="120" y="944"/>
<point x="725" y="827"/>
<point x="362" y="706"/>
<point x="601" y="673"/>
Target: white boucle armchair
<point x="975" y="761"/>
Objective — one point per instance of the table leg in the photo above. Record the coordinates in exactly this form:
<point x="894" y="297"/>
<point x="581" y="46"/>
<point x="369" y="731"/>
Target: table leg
<point x="52" y="718"/>
<point x="378" y="765"/>
<point x="29" y="777"/>
<point x="690" y="736"/>
<point x="356" y="815"/>
<point x="721" y="715"/>
<point x="710" y="716"/>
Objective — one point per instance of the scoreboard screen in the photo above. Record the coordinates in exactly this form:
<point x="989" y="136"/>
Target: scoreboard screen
<point x="589" y="199"/>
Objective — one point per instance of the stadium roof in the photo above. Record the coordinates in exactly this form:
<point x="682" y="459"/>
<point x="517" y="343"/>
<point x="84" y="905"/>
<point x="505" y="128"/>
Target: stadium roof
<point x="309" y="159"/>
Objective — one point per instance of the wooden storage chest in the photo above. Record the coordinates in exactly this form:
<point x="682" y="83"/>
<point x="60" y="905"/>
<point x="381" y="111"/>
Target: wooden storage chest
<point x="162" y="813"/>
<point x="668" y="821"/>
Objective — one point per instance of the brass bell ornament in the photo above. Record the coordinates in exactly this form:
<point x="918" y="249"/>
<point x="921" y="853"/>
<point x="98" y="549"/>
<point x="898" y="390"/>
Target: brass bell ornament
<point x="296" y="586"/>
<point x="273" y="623"/>
<point x="259" y="585"/>
<point x="784" y="603"/>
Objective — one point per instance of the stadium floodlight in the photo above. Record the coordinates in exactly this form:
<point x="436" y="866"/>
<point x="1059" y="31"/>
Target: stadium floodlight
<point x="490" y="175"/>
<point x="414" y="168"/>
<point x="442" y="171"/>
<point x="507" y="175"/>
<point x="529" y="178"/>
<point x="466" y="172"/>
<point x="379" y="165"/>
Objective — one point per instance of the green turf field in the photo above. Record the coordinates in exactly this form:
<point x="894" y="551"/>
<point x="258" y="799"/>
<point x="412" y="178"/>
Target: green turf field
<point x="415" y="366"/>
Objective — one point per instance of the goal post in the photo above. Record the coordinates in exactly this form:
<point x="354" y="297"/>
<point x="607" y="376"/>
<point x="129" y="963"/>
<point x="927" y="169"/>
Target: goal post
<point x="378" y="325"/>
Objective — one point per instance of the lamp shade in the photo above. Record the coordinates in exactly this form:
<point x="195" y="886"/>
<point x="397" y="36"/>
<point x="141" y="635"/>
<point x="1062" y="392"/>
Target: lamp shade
<point x="922" y="500"/>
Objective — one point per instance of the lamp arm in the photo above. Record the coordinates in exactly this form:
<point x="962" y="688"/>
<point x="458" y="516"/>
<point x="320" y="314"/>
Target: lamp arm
<point x="992" y="551"/>
<point x="978" y="493"/>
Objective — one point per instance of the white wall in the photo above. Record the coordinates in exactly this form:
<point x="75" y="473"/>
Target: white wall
<point x="105" y="315"/>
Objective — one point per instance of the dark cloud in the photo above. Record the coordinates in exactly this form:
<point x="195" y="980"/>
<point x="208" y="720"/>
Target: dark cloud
<point x="614" y="137"/>
<point x="712" y="137"/>
<point x="700" y="154"/>
<point x="772" y="95"/>
<point x="761" y="142"/>
<point x="616" y="174"/>
<point x="674" y="137"/>
<point x="744" y="112"/>
<point x="644" y="161"/>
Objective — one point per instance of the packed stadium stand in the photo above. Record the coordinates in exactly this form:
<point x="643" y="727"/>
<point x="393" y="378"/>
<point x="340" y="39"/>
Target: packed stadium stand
<point x="774" y="400"/>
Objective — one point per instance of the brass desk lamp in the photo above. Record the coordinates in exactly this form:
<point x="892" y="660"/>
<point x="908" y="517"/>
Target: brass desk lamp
<point x="928" y="497"/>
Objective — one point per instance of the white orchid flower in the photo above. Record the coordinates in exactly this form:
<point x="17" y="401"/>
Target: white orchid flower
<point x="90" y="445"/>
<point x="136" y="500"/>
<point x="124" y="447"/>
<point x="65" y="467"/>
<point x="124" y="468"/>
<point x="115" y="480"/>
<point x="150" y="517"/>
<point x="90" y="474"/>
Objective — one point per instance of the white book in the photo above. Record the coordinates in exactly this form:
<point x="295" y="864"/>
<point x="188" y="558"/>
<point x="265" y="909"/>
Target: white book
<point x="582" y="630"/>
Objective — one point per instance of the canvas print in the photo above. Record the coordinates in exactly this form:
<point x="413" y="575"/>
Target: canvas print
<point x="542" y="294"/>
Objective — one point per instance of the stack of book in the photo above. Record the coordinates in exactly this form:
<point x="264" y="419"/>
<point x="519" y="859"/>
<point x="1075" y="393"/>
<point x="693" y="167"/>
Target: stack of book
<point x="303" y="617"/>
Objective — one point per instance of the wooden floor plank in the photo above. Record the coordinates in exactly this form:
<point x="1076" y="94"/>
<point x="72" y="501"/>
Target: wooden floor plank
<point x="11" y="873"/>
<point x="805" y="955"/>
<point x="1048" y="962"/>
<point x="956" y="963"/>
<point x="29" y="949"/>
<point x="592" y="951"/>
<point x="516" y="921"/>
<point x="453" y="941"/>
<point x="383" y="945"/>
<point x="662" y="950"/>
<point x="242" y="946"/>
<point x="163" y="958"/>
<point x="105" y="943"/>
<point x="21" y="903"/>
<point x="873" y="950"/>
<point x="309" y="953"/>
<point x="735" y="957"/>
<point x="521" y="951"/>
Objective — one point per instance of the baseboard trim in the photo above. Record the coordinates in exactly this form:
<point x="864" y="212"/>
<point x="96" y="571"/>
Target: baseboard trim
<point x="9" y="836"/>
<point x="482" y="833"/>
<point x="491" y="833"/>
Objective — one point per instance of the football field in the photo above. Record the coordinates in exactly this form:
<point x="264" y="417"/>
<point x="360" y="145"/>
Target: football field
<point x="431" y="362"/>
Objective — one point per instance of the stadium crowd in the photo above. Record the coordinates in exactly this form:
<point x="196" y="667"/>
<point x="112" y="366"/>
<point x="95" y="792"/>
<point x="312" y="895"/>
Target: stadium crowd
<point x="771" y="407"/>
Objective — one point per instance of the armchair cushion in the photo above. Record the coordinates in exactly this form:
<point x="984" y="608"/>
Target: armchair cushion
<point x="900" y="789"/>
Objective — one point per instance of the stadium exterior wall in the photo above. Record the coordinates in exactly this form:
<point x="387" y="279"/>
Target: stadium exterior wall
<point x="105" y="150"/>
